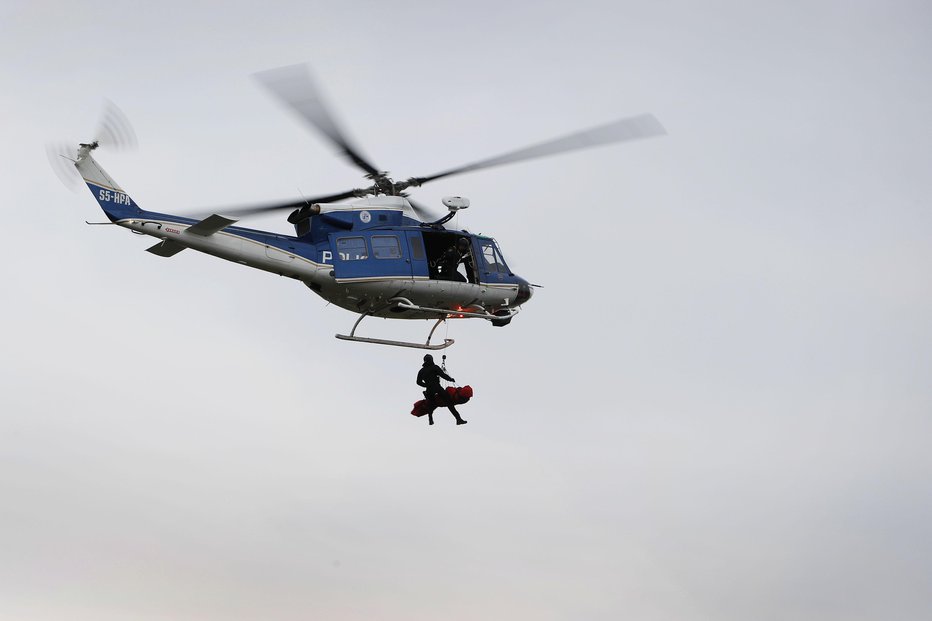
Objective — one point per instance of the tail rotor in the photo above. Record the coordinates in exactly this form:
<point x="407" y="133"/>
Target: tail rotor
<point x="114" y="131"/>
<point x="61" y="158"/>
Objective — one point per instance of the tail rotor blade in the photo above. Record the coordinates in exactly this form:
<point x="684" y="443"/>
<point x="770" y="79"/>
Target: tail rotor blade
<point x="61" y="158"/>
<point x="114" y="129"/>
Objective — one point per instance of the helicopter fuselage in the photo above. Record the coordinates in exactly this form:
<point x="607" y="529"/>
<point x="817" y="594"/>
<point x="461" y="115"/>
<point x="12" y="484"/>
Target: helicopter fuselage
<point x="364" y="257"/>
<point x="382" y="255"/>
<point x="360" y="282"/>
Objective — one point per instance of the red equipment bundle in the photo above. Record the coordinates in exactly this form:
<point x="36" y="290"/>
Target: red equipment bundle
<point x="457" y="395"/>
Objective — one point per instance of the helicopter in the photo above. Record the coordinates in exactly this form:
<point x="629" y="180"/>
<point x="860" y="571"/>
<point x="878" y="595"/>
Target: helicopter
<point x="373" y="251"/>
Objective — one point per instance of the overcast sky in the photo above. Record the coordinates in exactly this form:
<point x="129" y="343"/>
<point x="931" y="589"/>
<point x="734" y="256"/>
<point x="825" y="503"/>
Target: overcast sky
<point x="717" y="408"/>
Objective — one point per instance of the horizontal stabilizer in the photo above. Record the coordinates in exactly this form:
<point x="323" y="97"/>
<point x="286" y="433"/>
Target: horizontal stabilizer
<point x="210" y="225"/>
<point x="166" y="248"/>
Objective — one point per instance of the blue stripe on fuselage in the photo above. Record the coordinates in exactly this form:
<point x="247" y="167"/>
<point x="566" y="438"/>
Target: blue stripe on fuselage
<point x="115" y="203"/>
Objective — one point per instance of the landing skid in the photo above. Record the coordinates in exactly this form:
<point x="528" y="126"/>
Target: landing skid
<point x="426" y="345"/>
<point x="444" y="314"/>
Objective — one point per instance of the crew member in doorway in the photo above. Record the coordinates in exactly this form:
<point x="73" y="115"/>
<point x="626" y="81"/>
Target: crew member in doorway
<point x="452" y="257"/>
<point x="429" y="378"/>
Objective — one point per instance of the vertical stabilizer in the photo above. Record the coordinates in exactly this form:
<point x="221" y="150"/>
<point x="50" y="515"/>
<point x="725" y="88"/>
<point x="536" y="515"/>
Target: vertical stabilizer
<point x="116" y="203"/>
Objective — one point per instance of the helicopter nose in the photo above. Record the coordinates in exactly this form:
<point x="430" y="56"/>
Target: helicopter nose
<point x="524" y="293"/>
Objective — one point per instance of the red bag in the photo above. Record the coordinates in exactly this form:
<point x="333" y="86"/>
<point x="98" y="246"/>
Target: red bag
<point x="457" y="396"/>
<point x="421" y="408"/>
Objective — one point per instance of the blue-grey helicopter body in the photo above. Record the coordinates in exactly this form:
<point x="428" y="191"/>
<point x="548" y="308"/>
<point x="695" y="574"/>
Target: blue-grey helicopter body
<point x="372" y="251"/>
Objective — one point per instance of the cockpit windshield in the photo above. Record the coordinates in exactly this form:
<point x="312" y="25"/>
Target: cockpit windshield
<point x="492" y="261"/>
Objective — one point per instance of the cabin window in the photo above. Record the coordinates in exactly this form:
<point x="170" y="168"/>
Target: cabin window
<point x="491" y="259"/>
<point x="386" y="247"/>
<point x="352" y="248"/>
<point x="417" y="248"/>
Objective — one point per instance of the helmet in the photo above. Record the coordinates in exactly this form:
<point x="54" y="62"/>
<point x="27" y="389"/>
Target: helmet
<point x="428" y="358"/>
<point x="462" y="243"/>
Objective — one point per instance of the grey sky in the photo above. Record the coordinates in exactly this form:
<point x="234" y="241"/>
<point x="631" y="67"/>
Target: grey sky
<point x="717" y="408"/>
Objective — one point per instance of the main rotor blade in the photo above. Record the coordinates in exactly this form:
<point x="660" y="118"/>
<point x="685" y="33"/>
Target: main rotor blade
<point x="251" y="210"/>
<point x="643" y="126"/>
<point x="294" y="87"/>
<point x="422" y="212"/>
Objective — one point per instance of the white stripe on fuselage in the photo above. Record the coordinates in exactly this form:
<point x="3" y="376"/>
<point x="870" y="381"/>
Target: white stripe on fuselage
<point x="230" y="246"/>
